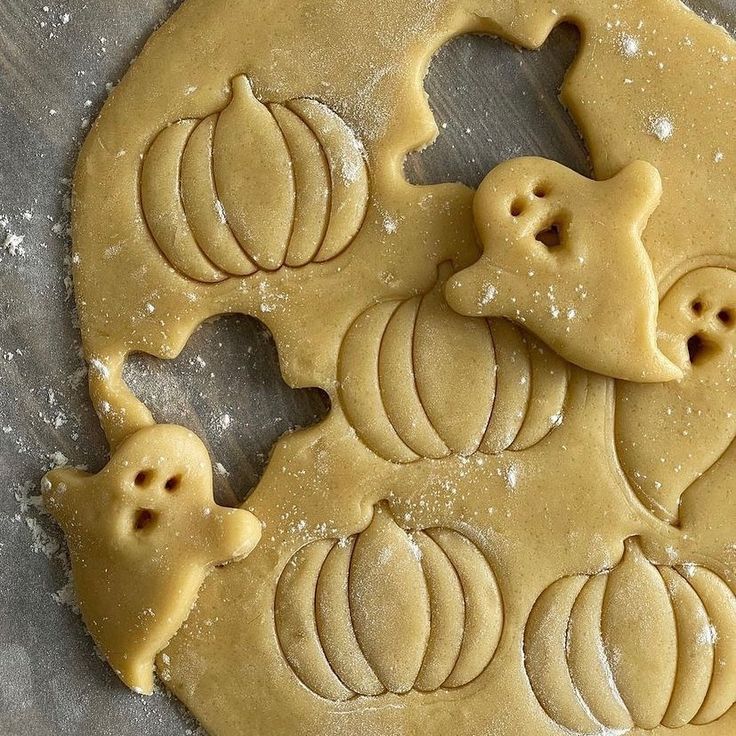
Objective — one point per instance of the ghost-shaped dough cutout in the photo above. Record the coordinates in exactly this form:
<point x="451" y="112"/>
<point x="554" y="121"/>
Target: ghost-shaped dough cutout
<point x="143" y="533"/>
<point x="668" y="435"/>
<point x="563" y="256"/>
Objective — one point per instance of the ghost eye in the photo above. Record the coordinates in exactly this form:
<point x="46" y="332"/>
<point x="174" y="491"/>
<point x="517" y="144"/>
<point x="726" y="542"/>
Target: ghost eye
<point x="725" y="316"/>
<point x="517" y="207"/>
<point x="143" y="478"/>
<point x="541" y="191"/>
<point x="173" y="483"/>
<point x="697" y="307"/>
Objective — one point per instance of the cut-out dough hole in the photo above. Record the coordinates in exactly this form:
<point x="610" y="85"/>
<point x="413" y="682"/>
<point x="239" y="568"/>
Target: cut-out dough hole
<point x="173" y="483"/>
<point x="226" y="386"/>
<point x="700" y="349"/>
<point x="517" y="207"/>
<point x="551" y="236"/>
<point x="697" y="307"/>
<point x="144" y="518"/>
<point x="725" y="316"/>
<point x="541" y="191"/>
<point x="142" y="478"/>
<point x="475" y="137"/>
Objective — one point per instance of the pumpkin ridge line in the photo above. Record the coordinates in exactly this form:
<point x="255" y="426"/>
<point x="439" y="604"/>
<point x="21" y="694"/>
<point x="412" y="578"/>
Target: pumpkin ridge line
<point x="412" y="352"/>
<point x="495" y="386"/>
<point x="144" y="216"/>
<point x="497" y="394"/>
<point x="290" y="151"/>
<point x="530" y="395"/>
<point x="316" y="624"/>
<point x="463" y="587"/>
<point x="606" y="665"/>
<point x="297" y="185"/>
<point x="678" y="645"/>
<point x="350" y="604"/>
<point x="534" y="687"/>
<point x="326" y="159"/>
<point x="710" y="621"/>
<point x="280" y="644"/>
<point x="563" y="407"/>
<point x="345" y="401"/>
<point x="426" y="534"/>
<point x="384" y="408"/>
<point x="211" y="167"/>
<point x="358" y="226"/>
<point x="179" y="161"/>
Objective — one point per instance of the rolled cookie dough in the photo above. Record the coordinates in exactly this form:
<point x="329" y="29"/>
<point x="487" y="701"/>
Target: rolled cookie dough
<point x="248" y="162"/>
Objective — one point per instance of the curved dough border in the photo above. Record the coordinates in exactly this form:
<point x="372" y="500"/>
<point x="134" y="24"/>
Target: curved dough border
<point x="366" y="62"/>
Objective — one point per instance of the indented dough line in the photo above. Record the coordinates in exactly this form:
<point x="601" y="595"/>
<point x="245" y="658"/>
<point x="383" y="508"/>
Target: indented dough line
<point x="414" y="374"/>
<point x="218" y="202"/>
<point x="464" y="588"/>
<point x="712" y="685"/>
<point x="495" y="383"/>
<point x="144" y="216"/>
<point x="333" y="180"/>
<point x="323" y="152"/>
<point x="316" y="625"/>
<point x="605" y="664"/>
<point x="426" y="533"/>
<point x="352" y="619"/>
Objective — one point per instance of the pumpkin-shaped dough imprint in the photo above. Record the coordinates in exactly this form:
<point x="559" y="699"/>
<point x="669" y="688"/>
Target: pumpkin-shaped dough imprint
<point x="418" y="380"/>
<point x="388" y="610"/>
<point x="641" y="645"/>
<point x="254" y="187"/>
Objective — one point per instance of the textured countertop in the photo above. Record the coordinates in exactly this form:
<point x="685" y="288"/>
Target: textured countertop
<point x="492" y="101"/>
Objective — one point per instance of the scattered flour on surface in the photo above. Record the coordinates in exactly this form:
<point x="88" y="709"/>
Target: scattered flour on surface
<point x="13" y="244"/>
<point x="629" y="45"/>
<point x="661" y="127"/>
<point x="488" y="295"/>
<point x="45" y="538"/>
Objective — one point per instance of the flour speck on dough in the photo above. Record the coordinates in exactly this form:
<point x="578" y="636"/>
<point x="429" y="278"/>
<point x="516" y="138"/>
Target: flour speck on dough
<point x="661" y="127"/>
<point x="629" y="45"/>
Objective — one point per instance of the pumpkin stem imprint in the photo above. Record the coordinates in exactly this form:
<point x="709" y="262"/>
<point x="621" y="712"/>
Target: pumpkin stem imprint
<point x="641" y="645"/>
<point x="143" y="534"/>
<point x="400" y="361"/>
<point x="388" y="610"/>
<point x="304" y="199"/>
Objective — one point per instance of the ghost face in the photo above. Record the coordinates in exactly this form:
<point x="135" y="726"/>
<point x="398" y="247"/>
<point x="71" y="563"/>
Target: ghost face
<point x="563" y="256"/>
<point x="696" y="414"/>
<point x="142" y="535"/>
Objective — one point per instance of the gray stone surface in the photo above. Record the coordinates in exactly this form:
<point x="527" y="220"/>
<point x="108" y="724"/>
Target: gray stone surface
<point x="55" y="61"/>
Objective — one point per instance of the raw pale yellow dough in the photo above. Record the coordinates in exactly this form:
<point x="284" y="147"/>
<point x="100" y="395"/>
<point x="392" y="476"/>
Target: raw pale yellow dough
<point x="482" y="537"/>
<point x="563" y="257"/>
<point x="142" y="535"/>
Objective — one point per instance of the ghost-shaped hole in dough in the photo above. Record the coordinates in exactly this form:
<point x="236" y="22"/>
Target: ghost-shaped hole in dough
<point x="226" y="386"/>
<point x="512" y="109"/>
